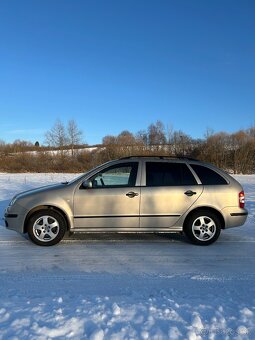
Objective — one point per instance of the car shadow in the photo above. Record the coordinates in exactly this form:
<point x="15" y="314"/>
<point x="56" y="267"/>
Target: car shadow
<point x="127" y="237"/>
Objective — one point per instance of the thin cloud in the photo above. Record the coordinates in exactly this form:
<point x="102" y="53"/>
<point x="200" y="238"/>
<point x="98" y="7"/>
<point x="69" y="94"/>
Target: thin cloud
<point x="22" y="131"/>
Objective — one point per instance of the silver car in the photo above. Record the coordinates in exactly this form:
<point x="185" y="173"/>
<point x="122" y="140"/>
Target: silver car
<point x="133" y="194"/>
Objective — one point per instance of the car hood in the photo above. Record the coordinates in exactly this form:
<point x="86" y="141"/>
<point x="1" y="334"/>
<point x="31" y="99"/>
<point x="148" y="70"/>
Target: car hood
<point x="47" y="188"/>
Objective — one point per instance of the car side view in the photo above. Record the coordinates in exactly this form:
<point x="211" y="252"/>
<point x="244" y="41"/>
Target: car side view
<point x="133" y="195"/>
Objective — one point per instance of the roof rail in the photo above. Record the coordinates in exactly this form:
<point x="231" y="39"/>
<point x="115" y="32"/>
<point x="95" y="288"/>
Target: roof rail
<point x="161" y="157"/>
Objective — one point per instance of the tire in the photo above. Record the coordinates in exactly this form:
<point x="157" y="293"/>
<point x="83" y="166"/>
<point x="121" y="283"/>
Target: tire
<point x="203" y="227"/>
<point x="46" y="227"/>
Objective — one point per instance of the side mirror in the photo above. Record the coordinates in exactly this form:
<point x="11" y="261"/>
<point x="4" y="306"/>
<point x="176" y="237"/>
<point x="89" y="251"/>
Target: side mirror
<point x="87" y="184"/>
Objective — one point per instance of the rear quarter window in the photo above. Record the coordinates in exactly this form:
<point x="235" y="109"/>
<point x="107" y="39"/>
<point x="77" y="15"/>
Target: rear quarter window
<point x="208" y="176"/>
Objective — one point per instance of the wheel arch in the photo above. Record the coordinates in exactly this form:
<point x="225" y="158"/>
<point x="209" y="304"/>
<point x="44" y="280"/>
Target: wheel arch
<point x="210" y="209"/>
<point x="41" y="207"/>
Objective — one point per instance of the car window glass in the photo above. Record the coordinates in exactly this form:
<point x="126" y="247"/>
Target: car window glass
<point x="121" y="175"/>
<point x="208" y="176"/>
<point x="168" y="174"/>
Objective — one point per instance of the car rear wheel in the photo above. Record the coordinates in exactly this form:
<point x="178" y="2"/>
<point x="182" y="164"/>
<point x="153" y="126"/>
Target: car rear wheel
<point x="203" y="227"/>
<point x="46" y="227"/>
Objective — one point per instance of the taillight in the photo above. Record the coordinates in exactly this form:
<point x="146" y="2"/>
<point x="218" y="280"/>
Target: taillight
<point x="241" y="199"/>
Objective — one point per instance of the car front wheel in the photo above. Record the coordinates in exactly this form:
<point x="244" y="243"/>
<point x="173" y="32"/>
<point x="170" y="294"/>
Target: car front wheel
<point x="203" y="228"/>
<point x="46" y="227"/>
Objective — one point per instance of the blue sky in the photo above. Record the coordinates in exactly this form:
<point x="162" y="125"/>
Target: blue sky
<point x="123" y="64"/>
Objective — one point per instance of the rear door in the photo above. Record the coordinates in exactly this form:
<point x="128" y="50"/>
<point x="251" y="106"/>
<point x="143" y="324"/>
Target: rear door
<point x="169" y="190"/>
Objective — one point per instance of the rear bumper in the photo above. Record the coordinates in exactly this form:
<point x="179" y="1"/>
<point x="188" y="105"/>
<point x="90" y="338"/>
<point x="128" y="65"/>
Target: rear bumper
<point x="234" y="216"/>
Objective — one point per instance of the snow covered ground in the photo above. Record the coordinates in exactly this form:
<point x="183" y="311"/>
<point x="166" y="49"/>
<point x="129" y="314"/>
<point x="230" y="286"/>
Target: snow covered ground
<point x="126" y="286"/>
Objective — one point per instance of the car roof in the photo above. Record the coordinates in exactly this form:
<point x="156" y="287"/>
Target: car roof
<point x="185" y="158"/>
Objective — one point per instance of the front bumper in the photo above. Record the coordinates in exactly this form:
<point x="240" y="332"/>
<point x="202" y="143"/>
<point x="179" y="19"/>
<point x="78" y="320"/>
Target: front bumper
<point x="8" y="216"/>
<point x="14" y="218"/>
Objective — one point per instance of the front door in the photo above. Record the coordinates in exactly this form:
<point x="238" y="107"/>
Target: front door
<point x="111" y="203"/>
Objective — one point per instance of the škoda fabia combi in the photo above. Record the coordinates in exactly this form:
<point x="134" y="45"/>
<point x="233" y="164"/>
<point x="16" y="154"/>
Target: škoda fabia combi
<point x="133" y="195"/>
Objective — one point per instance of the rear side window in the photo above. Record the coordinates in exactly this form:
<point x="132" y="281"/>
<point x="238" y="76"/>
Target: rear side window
<point x="168" y="174"/>
<point x="208" y="176"/>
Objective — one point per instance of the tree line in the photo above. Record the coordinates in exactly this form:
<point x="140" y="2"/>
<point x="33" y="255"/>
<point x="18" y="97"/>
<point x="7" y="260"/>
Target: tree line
<point x="65" y="151"/>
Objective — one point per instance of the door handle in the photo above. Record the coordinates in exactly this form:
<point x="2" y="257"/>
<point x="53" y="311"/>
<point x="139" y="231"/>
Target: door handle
<point x="132" y="194"/>
<point x="190" y="193"/>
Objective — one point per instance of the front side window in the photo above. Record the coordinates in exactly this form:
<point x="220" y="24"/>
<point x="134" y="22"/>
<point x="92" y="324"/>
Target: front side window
<point x="208" y="176"/>
<point x="121" y="175"/>
<point x="168" y="174"/>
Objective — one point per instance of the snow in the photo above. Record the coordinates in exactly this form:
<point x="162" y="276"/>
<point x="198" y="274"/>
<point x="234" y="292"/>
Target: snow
<point x="126" y="286"/>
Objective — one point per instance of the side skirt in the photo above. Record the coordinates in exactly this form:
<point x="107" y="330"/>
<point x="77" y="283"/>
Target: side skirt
<point x="126" y="231"/>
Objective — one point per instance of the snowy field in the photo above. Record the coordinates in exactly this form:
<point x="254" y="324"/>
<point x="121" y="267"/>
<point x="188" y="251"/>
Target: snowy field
<point x="126" y="286"/>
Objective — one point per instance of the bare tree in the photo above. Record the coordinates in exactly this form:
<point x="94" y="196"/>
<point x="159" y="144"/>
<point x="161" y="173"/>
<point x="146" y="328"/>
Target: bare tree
<point x="142" y="137"/>
<point x="74" y="135"/>
<point x="181" y="143"/>
<point x="156" y="134"/>
<point x="169" y="139"/>
<point x="2" y="146"/>
<point x="21" y="145"/>
<point x="126" y="143"/>
<point x="110" y="151"/>
<point x="109" y="140"/>
<point x="126" y="138"/>
<point x="56" y="136"/>
<point x="216" y="149"/>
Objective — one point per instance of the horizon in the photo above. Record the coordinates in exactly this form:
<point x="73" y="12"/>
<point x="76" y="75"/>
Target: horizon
<point x="83" y="141"/>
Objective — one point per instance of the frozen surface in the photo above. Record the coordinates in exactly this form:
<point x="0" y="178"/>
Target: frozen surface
<point x="126" y="286"/>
